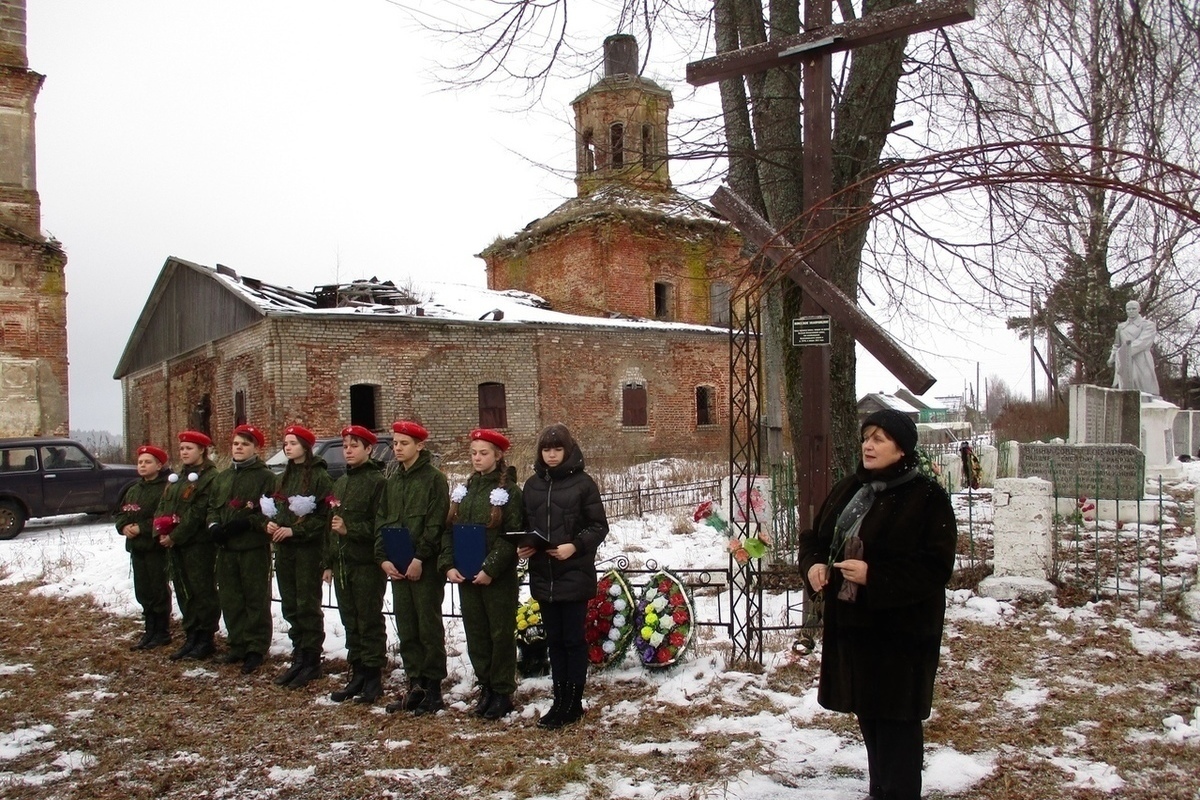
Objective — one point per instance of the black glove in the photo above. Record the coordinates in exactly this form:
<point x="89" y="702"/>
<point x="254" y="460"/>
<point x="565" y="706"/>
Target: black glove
<point x="236" y="527"/>
<point x="218" y="534"/>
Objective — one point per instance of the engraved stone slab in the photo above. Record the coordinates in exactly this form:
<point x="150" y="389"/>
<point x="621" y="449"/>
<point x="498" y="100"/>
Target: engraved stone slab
<point x="1099" y="415"/>
<point x="1103" y="471"/>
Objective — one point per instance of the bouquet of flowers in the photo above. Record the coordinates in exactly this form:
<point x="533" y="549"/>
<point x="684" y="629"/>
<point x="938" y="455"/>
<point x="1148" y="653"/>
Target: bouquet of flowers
<point x="664" y="621"/>
<point x="532" y="657"/>
<point x="164" y="525"/>
<point x="708" y="514"/>
<point x="608" y="627"/>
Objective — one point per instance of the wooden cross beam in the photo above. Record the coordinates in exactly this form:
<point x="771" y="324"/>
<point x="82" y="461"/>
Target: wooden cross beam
<point x="873" y="28"/>
<point x="841" y="308"/>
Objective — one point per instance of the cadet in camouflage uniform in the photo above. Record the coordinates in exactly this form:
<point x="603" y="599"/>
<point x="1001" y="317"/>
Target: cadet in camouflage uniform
<point x="357" y="578"/>
<point x="238" y="526"/>
<point x="182" y="528"/>
<point x="298" y="529"/>
<point x="135" y="521"/>
<point x="416" y="497"/>
<point x="489" y="599"/>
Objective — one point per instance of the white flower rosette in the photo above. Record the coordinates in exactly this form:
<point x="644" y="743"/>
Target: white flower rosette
<point x="302" y="504"/>
<point x="266" y="504"/>
<point x="458" y="493"/>
<point x="664" y="621"/>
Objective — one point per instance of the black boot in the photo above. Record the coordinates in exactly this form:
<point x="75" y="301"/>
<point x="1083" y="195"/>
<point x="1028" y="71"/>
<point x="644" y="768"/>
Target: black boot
<point x="310" y="669"/>
<point x="432" y="702"/>
<point x="251" y="662"/>
<point x="415" y="693"/>
<point x="357" y="678"/>
<point x="554" y="717"/>
<point x="285" y="677"/>
<point x="148" y="634"/>
<point x="412" y="696"/>
<point x="485" y="699"/>
<point x="204" y="647"/>
<point x="500" y="705"/>
<point x="574" y="703"/>
<point x="189" y="644"/>
<point x="161" y="635"/>
<point x="372" y="688"/>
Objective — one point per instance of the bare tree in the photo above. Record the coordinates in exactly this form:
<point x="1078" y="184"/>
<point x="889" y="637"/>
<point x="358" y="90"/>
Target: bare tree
<point x="1116" y="77"/>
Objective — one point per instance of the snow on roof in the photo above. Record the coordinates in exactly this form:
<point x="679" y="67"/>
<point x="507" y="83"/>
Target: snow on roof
<point x="445" y="301"/>
<point x="615" y="198"/>
<point x="891" y="401"/>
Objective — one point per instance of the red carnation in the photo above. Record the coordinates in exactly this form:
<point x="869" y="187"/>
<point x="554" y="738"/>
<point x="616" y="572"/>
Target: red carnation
<point x="675" y="639"/>
<point x="595" y="654"/>
<point x="604" y="626"/>
<point x="591" y="635"/>
<point x="703" y="511"/>
<point x="676" y="599"/>
<point x="603" y="586"/>
<point x="607" y="609"/>
<point x="680" y="617"/>
<point x="664" y="585"/>
<point x="663" y="655"/>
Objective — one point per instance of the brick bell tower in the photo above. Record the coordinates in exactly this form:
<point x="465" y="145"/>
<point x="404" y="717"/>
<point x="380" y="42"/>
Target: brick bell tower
<point x="33" y="296"/>
<point x="621" y="124"/>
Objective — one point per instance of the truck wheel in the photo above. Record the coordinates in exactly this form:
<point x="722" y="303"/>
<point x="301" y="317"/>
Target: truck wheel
<point x="12" y="519"/>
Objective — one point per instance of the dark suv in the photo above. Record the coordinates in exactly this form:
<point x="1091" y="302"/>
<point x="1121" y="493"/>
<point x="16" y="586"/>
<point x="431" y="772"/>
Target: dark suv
<point x="330" y="449"/>
<point x="41" y="477"/>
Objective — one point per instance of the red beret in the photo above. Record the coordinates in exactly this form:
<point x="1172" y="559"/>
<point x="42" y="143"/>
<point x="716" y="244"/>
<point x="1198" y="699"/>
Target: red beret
<point x="157" y="452"/>
<point x="195" y="437"/>
<point x="411" y="429"/>
<point x="301" y="433"/>
<point x="360" y="432"/>
<point x="251" y="432"/>
<point x="489" y="435"/>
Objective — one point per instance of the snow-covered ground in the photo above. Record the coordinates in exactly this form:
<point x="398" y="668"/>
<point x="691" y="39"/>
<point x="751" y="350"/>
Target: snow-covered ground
<point x="71" y="557"/>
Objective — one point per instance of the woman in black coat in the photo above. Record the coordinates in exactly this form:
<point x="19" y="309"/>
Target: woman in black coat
<point x="563" y="505"/>
<point x="882" y="551"/>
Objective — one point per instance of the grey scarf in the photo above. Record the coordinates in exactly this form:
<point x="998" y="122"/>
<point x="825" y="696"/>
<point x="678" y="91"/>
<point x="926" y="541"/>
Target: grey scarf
<point x="846" y="543"/>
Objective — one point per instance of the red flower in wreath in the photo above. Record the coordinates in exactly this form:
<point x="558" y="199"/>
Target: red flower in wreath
<point x="676" y="639"/>
<point x="680" y="617"/>
<point x="663" y="656"/>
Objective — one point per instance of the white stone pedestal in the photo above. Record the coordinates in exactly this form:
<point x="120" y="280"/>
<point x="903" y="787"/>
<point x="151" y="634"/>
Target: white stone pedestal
<point x="1023" y="512"/>
<point x="1158" y="437"/>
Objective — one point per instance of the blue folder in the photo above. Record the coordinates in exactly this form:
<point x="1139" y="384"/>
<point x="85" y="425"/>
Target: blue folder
<point x="398" y="545"/>
<point x="470" y="549"/>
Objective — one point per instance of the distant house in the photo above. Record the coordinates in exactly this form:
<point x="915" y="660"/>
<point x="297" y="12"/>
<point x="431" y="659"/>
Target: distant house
<point x="868" y="404"/>
<point x="930" y="409"/>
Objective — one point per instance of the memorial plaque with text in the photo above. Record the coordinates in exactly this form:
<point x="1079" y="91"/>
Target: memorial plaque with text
<point x="1100" y="471"/>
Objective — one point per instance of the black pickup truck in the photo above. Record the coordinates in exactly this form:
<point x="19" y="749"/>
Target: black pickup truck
<point x="42" y="477"/>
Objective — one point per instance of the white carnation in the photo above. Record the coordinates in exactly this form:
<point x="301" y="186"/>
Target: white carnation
<point x="614" y="634"/>
<point x="458" y="494"/>
<point x="619" y="604"/>
<point x="619" y="620"/>
<point x="609" y="648"/>
<point x="267" y="504"/>
<point x="302" y="504"/>
<point x="614" y="590"/>
<point x="498" y="497"/>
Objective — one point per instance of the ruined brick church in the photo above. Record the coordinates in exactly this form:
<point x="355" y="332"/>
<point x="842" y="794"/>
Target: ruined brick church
<point x="610" y="314"/>
<point x="33" y="295"/>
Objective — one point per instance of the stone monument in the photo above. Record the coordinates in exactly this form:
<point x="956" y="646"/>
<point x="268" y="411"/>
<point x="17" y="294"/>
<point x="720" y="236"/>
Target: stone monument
<point x="1132" y="356"/>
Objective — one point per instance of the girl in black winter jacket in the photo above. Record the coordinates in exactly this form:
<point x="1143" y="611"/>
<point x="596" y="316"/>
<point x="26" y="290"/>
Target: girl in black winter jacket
<point x="562" y="504"/>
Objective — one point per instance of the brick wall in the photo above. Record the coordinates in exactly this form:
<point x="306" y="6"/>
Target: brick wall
<point x="611" y="266"/>
<point x="300" y="368"/>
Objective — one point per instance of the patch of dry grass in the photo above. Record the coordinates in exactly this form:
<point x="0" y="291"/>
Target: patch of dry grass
<point x="156" y="729"/>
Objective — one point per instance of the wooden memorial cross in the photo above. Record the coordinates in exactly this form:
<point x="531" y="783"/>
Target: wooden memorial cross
<point x="814" y="49"/>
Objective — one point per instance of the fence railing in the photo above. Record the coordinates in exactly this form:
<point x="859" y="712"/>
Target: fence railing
<point x="655" y="499"/>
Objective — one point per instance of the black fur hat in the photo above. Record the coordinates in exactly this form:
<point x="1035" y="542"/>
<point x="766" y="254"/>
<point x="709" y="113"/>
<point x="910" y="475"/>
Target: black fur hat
<point x="897" y="424"/>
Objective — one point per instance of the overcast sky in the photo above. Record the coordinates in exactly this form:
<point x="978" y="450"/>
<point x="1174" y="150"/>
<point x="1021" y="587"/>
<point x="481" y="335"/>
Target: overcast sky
<point x="300" y="142"/>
